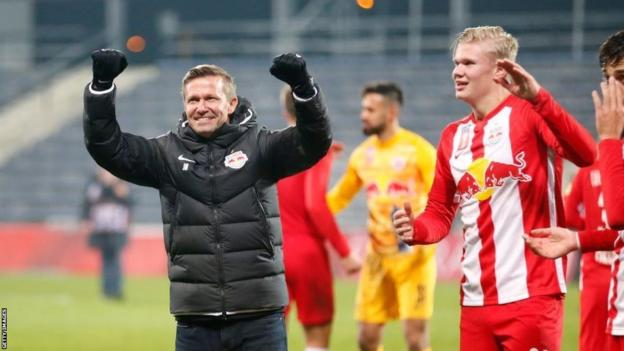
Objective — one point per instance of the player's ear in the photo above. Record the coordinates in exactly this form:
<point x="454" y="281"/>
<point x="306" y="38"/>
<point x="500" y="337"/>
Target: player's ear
<point x="232" y="104"/>
<point x="394" y="109"/>
<point x="500" y="73"/>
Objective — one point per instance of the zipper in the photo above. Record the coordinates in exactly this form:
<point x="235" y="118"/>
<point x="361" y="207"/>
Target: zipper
<point x="265" y="223"/>
<point x="220" y="263"/>
<point x="218" y="238"/>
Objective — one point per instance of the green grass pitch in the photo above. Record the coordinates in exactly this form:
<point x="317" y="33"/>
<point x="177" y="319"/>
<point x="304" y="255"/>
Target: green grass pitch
<point x="57" y="312"/>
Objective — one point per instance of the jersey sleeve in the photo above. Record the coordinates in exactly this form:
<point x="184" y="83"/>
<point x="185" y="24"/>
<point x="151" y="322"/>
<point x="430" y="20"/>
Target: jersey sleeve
<point x="597" y="240"/>
<point x="435" y="222"/>
<point x="316" y="180"/>
<point x="571" y="140"/>
<point x="343" y="192"/>
<point x="611" y="164"/>
<point x="574" y="213"/>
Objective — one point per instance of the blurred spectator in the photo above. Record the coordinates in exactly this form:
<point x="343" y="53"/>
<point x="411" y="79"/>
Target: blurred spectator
<point x="106" y="214"/>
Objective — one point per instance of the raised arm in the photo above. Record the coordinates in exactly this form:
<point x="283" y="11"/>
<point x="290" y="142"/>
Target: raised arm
<point x="294" y="149"/>
<point x="575" y="141"/>
<point x="129" y="157"/>
<point x="610" y="125"/>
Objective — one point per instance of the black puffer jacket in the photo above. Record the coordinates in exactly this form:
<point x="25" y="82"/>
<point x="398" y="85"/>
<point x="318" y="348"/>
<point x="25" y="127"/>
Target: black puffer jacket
<point x="219" y="206"/>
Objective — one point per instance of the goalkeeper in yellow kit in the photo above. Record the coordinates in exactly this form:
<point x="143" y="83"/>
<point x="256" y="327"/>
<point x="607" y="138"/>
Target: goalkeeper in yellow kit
<point x="394" y="165"/>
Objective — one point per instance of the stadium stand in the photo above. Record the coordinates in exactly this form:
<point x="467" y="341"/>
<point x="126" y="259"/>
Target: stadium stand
<point x="43" y="181"/>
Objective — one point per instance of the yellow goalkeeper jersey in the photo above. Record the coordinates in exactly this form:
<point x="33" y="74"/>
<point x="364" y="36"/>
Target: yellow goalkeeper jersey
<point x="392" y="171"/>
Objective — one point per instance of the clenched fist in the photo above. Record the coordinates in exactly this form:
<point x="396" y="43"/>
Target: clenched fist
<point x="107" y="65"/>
<point x="291" y="69"/>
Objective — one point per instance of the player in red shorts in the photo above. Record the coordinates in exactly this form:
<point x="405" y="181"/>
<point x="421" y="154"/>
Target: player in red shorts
<point x="307" y="223"/>
<point x="584" y="209"/>
<point x="501" y="166"/>
<point x="557" y="242"/>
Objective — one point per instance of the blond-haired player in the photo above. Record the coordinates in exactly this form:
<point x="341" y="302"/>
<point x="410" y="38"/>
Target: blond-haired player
<point x="501" y="166"/>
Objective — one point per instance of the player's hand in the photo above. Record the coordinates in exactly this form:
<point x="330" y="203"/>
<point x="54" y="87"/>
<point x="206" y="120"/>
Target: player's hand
<point x="605" y="258"/>
<point x="337" y="147"/>
<point x="402" y="223"/>
<point x="350" y="264"/>
<point x="291" y="69"/>
<point x="522" y="83"/>
<point x="551" y="242"/>
<point x="610" y="109"/>
<point x="107" y="65"/>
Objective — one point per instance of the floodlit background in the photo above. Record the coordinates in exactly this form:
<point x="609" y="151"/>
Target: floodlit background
<point x="49" y="276"/>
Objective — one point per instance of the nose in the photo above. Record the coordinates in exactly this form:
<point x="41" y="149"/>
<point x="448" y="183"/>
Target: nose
<point x="202" y="106"/>
<point x="363" y="116"/>
<point x="457" y="71"/>
<point x="364" y="113"/>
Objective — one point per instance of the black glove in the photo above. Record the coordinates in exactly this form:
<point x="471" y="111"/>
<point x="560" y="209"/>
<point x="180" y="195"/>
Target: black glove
<point x="107" y="65"/>
<point x="291" y="69"/>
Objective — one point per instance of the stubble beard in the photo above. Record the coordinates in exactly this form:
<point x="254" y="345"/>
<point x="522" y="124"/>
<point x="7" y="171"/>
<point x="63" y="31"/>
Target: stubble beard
<point x="373" y="130"/>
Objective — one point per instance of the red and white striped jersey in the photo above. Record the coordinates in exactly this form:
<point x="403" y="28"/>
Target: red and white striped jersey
<point x="504" y="174"/>
<point x="615" y="322"/>
<point x="611" y="165"/>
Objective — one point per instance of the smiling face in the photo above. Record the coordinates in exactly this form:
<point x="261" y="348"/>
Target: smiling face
<point x="474" y="72"/>
<point x="206" y="104"/>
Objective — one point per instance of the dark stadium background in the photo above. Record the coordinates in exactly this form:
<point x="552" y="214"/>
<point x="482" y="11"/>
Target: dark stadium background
<point x="48" y="276"/>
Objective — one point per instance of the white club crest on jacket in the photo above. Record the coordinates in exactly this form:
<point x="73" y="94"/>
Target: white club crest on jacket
<point x="236" y="160"/>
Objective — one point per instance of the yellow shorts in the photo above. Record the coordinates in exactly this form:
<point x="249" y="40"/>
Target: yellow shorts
<point x="397" y="286"/>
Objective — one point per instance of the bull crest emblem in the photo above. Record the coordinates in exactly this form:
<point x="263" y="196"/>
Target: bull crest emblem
<point x="483" y="177"/>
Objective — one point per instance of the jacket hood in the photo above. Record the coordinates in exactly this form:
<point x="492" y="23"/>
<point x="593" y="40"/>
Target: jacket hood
<point x="243" y="118"/>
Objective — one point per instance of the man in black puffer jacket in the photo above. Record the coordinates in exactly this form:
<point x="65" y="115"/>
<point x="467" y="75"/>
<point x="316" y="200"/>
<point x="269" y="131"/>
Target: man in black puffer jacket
<point x="216" y="176"/>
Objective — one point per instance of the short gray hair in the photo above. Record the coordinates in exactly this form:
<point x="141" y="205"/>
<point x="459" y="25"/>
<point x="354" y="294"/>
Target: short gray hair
<point x="229" y="87"/>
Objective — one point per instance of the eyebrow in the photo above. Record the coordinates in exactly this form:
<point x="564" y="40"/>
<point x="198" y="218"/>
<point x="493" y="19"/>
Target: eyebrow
<point x="616" y="72"/>
<point x="463" y="60"/>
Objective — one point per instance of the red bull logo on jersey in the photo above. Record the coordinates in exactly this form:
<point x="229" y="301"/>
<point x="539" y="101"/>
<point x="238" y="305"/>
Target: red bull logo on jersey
<point x="398" y="188"/>
<point x="372" y="189"/>
<point x="483" y="177"/>
<point x="393" y="188"/>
